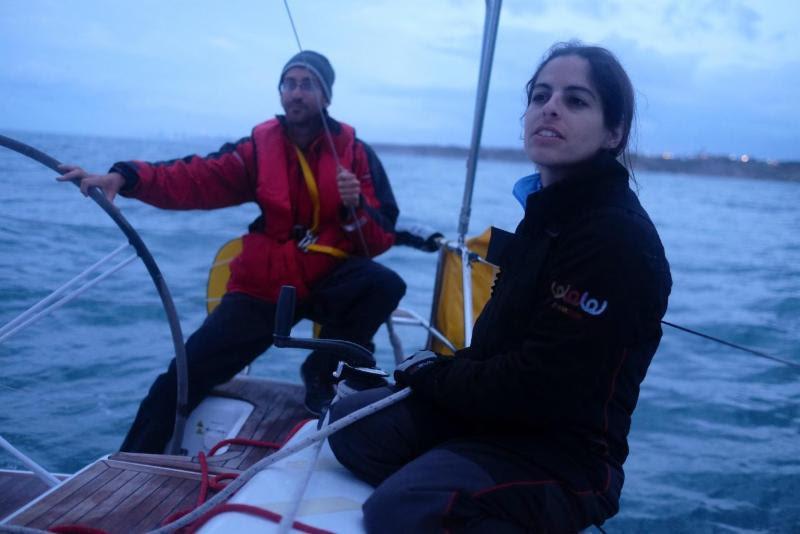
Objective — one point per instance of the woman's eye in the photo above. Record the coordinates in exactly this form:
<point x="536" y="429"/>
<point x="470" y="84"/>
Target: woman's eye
<point x="576" y="102"/>
<point x="539" y="98"/>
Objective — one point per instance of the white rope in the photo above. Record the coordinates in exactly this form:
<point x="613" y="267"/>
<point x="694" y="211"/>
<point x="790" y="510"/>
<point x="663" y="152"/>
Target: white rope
<point x="69" y="297"/>
<point x="262" y="464"/>
<point x="294" y="504"/>
<point x="58" y="292"/>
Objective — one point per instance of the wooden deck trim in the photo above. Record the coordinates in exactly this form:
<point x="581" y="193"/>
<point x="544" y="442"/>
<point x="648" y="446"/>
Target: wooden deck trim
<point x="26" y="487"/>
<point x="135" y="492"/>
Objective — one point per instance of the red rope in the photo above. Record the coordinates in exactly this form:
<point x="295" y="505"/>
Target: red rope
<point x="206" y="483"/>
<point x="201" y="495"/>
<point x="244" y="441"/>
<point x="252" y="510"/>
<point x="177" y="515"/>
<point x="214" y="484"/>
<point x="75" y="529"/>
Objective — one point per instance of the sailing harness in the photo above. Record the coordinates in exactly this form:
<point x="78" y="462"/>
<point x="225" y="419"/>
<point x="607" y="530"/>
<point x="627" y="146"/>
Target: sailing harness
<point x="307" y="237"/>
<point x="329" y="137"/>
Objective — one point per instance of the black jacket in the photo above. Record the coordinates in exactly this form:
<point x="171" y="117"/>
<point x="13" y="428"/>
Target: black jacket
<point x="561" y="347"/>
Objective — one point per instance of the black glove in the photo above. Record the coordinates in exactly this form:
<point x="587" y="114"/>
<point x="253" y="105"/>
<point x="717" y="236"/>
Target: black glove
<point x="418" y="237"/>
<point x="414" y="370"/>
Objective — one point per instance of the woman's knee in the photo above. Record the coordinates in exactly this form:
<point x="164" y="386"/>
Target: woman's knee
<point x="348" y="443"/>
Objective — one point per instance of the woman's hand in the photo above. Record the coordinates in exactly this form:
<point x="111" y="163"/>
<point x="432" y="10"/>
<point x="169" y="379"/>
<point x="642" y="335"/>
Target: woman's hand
<point x="409" y="371"/>
<point x="109" y="183"/>
<point x="349" y="188"/>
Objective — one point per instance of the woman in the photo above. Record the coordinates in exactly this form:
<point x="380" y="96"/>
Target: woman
<point x="525" y="429"/>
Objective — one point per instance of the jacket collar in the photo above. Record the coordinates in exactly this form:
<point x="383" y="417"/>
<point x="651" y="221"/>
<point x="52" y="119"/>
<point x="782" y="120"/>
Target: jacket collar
<point x="585" y="188"/>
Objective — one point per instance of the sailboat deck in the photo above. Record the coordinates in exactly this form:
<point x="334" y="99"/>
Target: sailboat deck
<point x="136" y="492"/>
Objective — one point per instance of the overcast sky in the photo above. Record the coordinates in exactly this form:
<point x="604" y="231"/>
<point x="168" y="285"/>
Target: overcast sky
<point x="719" y="76"/>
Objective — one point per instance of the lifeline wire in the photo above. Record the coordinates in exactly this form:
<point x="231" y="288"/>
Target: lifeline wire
<point x="150" y="264"/>
<point x="328" y="135"/>
<point x="733" y="345"/>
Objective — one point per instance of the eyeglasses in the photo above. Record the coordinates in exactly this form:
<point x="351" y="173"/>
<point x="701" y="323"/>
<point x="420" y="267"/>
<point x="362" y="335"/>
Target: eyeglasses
<point x="306" y="85"/>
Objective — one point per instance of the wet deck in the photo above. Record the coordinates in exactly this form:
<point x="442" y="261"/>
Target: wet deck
<point x="136" y="492"/>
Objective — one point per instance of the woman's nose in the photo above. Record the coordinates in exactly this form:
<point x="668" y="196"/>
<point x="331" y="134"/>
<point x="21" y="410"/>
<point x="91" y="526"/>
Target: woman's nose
<point x="550" y="108"/>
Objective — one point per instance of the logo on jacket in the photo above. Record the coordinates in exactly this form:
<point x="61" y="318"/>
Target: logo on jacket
<point x="578" y="299"/>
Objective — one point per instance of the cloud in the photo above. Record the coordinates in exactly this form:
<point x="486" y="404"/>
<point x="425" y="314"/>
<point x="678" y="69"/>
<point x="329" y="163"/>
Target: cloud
<point x="717" y="74"/>
<point x="731" y="32"/>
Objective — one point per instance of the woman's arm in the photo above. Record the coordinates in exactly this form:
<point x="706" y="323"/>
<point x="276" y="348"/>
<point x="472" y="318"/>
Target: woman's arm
<point x="602" y="294"/>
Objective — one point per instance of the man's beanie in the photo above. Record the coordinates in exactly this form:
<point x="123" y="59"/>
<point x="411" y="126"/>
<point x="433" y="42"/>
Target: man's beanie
<point x="316" y="63"/>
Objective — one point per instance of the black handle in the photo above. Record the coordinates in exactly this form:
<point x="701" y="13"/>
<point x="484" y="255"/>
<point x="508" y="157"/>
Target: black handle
<point x="284" y="315"/>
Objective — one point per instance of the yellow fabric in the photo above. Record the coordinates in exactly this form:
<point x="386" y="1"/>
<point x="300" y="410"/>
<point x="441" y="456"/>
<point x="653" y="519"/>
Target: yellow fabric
<point x="311" y="184"/>
<point x="220" y="272"/>
<point x="313" y="192"/>
<point x="448" y="317"/>
<point x="325" y="249"/>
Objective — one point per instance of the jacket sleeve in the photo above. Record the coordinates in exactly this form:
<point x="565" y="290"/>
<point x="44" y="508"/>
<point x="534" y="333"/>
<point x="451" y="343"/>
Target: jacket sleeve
<point x="604" y="294"/>
<point x="223" y="178"/>
<point x="377" y="213"/>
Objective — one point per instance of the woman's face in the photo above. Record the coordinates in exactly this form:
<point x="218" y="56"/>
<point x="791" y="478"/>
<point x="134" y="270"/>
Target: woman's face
<point x="564" y="120"/>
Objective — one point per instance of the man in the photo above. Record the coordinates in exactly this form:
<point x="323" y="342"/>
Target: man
<point x="323" y="215"/>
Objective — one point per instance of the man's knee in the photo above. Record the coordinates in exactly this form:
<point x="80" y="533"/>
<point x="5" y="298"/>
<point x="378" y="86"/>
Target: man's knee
<point x="392" y="286"/>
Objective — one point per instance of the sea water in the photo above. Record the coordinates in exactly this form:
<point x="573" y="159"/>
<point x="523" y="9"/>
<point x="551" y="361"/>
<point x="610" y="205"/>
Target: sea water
<point x="715" y="442"/>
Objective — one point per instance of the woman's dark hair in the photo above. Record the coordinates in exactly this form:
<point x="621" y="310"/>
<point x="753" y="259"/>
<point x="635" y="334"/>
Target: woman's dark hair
<point x="611" y="82"/>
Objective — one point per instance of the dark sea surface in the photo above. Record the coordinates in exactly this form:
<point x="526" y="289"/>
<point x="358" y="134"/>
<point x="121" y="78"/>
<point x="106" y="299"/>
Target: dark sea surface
<point x="715" y="443"/>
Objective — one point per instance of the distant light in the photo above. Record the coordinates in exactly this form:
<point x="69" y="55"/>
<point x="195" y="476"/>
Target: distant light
<point x="772" y="162"/>
<point x="745" y="158"/>
<point x="666" y="155"/>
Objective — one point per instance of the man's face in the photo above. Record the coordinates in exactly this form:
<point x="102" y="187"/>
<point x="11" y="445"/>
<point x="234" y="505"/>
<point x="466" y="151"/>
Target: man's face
<point x="302" y="97"/>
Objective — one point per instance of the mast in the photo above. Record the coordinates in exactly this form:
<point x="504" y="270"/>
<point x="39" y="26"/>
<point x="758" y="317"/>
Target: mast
<point x="490" y="24"/>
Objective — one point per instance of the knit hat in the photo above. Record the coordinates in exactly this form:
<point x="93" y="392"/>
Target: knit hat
<point x="317" y="64"/>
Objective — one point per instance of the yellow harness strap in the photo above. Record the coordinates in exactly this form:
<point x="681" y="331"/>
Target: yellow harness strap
<point x="313" y="192"/>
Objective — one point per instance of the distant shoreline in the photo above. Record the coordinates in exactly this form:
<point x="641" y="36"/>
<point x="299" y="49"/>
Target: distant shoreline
<point x="706" y="165"/>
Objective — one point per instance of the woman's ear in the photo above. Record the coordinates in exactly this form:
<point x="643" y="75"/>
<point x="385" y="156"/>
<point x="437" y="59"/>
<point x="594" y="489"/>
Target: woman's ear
<point x="613" y="139"/>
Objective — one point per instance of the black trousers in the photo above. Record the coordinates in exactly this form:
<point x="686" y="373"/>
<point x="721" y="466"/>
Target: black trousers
<point x="432" y="474"/>
<point x="350" y="304"/>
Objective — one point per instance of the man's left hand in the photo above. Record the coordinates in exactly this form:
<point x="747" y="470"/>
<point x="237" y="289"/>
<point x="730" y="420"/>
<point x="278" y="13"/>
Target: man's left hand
<point x="349" y="188"/>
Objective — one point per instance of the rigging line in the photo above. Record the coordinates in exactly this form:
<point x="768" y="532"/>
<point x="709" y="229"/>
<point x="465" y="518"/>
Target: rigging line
<point x="150" y="264"/>
<point x="328" y="134"/>
<point x="291" y="21"/>
<point x="733" y="345"/>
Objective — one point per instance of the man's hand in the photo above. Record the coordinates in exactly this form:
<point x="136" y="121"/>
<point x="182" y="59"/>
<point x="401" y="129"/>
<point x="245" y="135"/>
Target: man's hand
<point x="409" y="370"/>
<point x="109" y="183"/>
<point x="349" y="188"/>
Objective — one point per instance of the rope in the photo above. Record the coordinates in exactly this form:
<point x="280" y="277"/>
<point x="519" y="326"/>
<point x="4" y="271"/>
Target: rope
<point x="207" y="483"/>
<point x="307" y="441"/>
<point x="733" y="345"/>
<point x="252" y="510"/>
<point x="328" y="134"/>
<point x="152" y="268"/>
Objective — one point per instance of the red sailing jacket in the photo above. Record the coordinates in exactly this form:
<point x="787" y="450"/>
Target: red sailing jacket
<point x="264" y="168"/>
